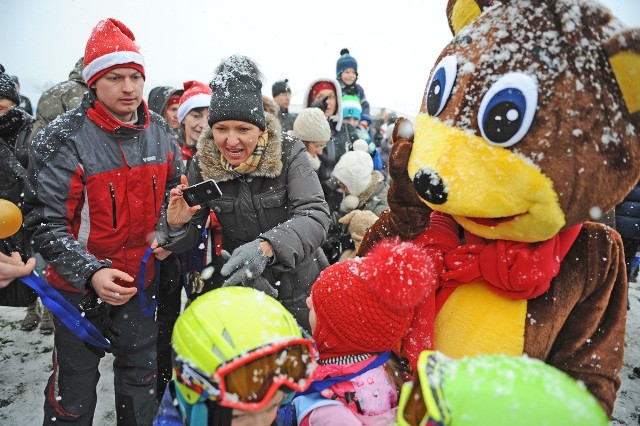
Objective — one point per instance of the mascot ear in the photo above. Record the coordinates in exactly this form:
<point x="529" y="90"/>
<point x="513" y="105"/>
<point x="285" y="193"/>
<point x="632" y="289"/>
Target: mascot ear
<point x="461" y="13"/>
<point x="623" y="52"/>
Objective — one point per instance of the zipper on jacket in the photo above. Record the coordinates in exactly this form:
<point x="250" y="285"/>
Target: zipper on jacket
<point x="155" y="188"/>
<point x="113" y="205"/>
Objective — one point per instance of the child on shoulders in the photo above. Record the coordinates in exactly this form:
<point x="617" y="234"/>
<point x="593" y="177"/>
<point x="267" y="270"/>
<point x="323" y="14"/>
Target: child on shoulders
<point x="347" y="75"/>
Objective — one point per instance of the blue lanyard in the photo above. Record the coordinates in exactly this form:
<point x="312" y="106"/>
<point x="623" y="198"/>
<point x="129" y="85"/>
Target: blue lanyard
<point x="150" y="309"/>
<point x="197" y="261"/>
<point x="183" y="271"/>
<point x="66" y="313"/>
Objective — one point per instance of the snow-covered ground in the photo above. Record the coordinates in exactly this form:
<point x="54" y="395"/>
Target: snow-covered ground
<point x="25" y="365"/>
<point x="627" y="409"/>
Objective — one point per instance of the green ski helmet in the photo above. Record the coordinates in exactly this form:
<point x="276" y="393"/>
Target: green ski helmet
<point x="227" y="329"/>
<point x="495" y="390"/>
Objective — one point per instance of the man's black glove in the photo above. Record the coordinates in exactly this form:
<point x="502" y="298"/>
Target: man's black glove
<point x="320" y="103"/>
<point x="98" y="312"/>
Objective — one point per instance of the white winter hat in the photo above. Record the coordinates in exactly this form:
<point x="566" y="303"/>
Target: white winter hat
<point x="312" y="126"/>
<point x="361" y="145"/>
<point x="354" y="170"/>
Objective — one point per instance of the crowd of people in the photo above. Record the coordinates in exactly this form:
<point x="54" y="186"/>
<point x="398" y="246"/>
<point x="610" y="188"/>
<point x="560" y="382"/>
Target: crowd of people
<point x="99" y="170"/>
<point x="282" y="321"/>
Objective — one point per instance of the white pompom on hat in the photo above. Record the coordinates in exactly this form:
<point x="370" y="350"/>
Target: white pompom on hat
<point x="354" y="170"/>
<point x="111" y="45"/>
<point x="361" y="145"/>
<point x="349" y="203"/>
<point x="311" y="125"/>
<point x="196" y="95"/>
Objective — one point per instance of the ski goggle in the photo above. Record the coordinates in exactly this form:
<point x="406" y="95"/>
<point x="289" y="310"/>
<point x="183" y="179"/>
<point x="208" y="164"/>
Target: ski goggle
<point x="422" y="401"/>
<point x="250" y="381"/>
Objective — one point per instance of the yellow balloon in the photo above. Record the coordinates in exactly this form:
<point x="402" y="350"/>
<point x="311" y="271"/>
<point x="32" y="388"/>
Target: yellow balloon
<point x="10" y="218"/>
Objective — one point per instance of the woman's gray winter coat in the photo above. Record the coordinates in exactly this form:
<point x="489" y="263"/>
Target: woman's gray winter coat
<point x="281" y="202"/>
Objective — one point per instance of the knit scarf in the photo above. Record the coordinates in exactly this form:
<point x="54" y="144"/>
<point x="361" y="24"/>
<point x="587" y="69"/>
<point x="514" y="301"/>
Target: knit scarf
<point x="10" y="124"/>
<point x="251" y="163"/>
<point x="510" y="268"/>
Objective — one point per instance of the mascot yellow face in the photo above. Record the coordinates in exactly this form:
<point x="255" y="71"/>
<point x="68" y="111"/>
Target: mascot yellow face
<point x="529" y="122"/>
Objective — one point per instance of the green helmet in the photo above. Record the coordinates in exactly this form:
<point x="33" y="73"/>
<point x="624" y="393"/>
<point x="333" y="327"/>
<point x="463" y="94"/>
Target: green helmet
<point x="222" y="325"/>
<point x="496" y="390"/>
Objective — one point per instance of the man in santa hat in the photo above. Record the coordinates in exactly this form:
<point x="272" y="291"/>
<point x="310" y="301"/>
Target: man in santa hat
<point x="95" y="191"/>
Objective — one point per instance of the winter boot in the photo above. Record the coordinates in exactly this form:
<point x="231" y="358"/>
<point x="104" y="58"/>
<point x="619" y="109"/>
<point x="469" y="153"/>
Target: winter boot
<point x="46" y="326"/>
<point x="31" y="320"/>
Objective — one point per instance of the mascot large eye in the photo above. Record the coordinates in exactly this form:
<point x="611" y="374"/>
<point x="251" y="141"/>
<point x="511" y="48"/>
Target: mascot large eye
<point x="507" y="109"/>
<point x="441" y="84"/>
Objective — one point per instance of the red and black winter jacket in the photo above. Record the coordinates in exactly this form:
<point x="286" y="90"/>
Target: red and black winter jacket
<point x="95" y="190"/>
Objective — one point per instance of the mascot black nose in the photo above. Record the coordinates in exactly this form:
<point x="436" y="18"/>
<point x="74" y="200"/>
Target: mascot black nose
<point x="429" y="186"/>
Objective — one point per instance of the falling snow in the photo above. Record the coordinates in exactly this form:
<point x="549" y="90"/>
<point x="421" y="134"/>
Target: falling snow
<point x="26" y="366"/>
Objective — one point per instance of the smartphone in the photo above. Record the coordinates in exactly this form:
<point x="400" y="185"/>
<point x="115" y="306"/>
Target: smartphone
<point x="201" y="192"/>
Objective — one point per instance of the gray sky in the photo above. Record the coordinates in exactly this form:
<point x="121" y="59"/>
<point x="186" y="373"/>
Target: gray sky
<point x="395" y="42"/>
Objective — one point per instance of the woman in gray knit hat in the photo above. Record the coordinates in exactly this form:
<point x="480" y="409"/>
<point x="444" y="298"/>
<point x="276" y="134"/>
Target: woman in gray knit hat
<point x="272" y="210"/>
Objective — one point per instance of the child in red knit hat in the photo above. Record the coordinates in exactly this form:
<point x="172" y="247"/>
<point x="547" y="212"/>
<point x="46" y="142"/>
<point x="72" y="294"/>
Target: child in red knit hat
<point x="361" y="311"/>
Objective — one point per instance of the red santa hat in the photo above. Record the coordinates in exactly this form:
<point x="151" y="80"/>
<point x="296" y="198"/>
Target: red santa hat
<point x="111" y="45"/>
<point x="196" y="95"/>
<point x="367" y="305"/>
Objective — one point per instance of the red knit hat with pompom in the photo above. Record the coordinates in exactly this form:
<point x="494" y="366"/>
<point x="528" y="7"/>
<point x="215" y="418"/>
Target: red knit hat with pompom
<point x="366" y="305"/>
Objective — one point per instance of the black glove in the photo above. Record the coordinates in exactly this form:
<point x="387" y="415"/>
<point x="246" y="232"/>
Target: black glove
<point x="98" y="312"/>
<point x="246" y="266"/>
<point x="320" y="103"/>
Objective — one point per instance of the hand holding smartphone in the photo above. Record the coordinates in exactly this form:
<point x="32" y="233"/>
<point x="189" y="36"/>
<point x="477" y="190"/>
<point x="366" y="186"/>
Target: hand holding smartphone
<point x="201" y="193"/>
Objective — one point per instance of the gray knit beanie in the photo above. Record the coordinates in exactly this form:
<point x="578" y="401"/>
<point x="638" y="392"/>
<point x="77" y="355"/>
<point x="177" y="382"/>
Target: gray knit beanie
<point x="237" y="92"/>
<point x="311" y="125"/>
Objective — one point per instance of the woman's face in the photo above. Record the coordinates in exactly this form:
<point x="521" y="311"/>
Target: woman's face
<point x="315" y="148"/>
<point x="193" y="123"/>
<point x="264" y="417"/>
<point x="331" y="101"/>
<point x="236" y="140"/>
<point x="343" y="187"/>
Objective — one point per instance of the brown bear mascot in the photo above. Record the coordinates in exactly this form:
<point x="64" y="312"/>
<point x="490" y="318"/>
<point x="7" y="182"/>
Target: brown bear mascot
<point x="528" y="130"/>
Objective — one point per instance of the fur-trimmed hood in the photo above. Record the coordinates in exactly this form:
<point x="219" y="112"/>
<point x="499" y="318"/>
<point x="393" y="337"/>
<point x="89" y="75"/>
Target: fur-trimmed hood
<point x="270" y="165"/>
<point x="337" y="117"/>
<point x="376" y="178"/>
<point x="158" y="97"/>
